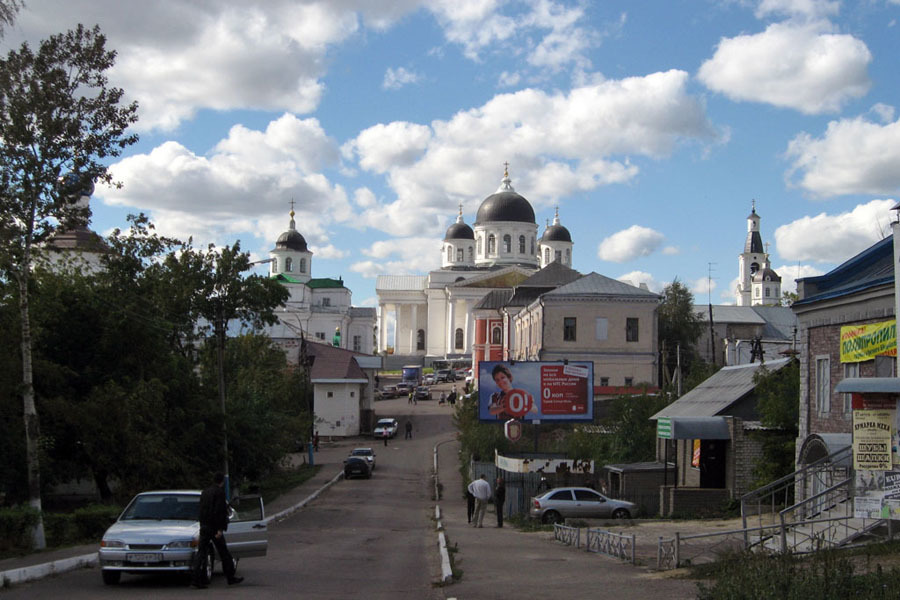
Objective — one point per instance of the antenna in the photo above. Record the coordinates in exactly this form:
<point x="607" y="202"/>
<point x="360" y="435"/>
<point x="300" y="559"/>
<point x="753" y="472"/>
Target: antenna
<point x="709" y="280"/>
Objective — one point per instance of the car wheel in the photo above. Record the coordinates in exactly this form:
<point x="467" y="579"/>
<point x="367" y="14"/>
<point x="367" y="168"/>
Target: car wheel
<point x="111" y="577"/>
<point x="209" y="565"/>
<point x="621" y="513"/>
<point x="551" y="516"/>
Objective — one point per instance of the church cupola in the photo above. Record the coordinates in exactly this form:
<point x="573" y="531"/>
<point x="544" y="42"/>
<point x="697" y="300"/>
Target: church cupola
<point x="459" y="245"/>
<point x="751" y="264"/>
<point x="505" y="229"/>
<point x="556" y="244"/>
<point x="291" y="257"/>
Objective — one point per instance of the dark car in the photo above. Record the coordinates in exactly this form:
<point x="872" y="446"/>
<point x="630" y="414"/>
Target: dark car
<point x="423" y="393"/>
<point x="444" y="375"/>
<point x="357" y="466"/>
<point x="389" y="391"/>
<point x="404" y="387"/>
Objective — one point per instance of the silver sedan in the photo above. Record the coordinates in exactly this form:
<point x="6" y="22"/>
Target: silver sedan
<point x="578" y="502"/>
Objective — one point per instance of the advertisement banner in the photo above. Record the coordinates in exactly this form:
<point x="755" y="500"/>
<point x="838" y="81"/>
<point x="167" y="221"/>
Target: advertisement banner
<point x="695" y="455"/>
<point x="872" y="439"/>
<point x="535" y="391"/>
<point x="867" y="508"/>
<point x="892" y="485"/>
<point x="865" y="342"/>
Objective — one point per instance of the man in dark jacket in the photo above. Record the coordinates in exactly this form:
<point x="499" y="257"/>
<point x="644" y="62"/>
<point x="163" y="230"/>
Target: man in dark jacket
<point x="213" y="523"/>
<point x="499" y="500"/>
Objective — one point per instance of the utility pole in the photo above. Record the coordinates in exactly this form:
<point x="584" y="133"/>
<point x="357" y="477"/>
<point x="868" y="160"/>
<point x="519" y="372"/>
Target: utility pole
<point x="712" y="337"/>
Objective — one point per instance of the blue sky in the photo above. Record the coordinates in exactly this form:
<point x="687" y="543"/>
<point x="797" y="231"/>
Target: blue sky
<point x="651" y="125"/>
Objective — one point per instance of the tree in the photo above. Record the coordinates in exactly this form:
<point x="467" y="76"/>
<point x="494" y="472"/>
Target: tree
<point x="8" y="11"/>
<point x="58" y="116"/>
<point x="778" y="404"/>
<point x="679" y="328"/>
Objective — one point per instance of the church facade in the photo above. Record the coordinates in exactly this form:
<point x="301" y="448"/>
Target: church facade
<point x="433" y="314"/>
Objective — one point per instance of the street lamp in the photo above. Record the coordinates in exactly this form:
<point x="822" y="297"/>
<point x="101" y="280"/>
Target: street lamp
<point x="220" y="360"/>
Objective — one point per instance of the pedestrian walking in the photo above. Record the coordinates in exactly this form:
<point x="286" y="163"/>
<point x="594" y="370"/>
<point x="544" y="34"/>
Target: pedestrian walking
<point x="386" y="434"/>
<point x="470" y="505"/>
<point x="481" y="489"/>
<point x="499" y="499"/>
<point x="409" y="430"/>
<point x="412" y="396"/>
<point x="443" y="397"/>
<point x="316" y="441"/>
<point x="213" y="523"/>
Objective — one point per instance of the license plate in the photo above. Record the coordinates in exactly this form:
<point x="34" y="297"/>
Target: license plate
<point x="144" y="557"/>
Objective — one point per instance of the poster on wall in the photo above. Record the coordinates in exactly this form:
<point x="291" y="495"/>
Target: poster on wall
<point x="865" y="342"/>
<point x="872" y="439"/>
<point x="866" y="508"/>
<point x="531" y="391"/>
<point x="695" y="455"/>
<point x="870" y="483"/>
<point x="892" y="485"/>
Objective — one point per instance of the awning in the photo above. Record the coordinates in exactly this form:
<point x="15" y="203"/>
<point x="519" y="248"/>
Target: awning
<point x="869" y="385"/>
<point x="692" y="428"/>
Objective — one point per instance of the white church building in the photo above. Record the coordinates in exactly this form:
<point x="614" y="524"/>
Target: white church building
<point x="433" y="313"/>
<point x="758" y="283"/>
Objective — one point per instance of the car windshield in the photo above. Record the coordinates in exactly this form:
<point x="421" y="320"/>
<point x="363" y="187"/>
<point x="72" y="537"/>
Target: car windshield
<point x="361" y="452"/>
<point x="385" y="423"/>
<point x="177" y="507"/>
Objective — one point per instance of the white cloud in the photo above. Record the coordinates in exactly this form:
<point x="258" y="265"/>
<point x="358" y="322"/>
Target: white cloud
<point x="563" y="144"/>
<point x="810" y="9"/>
<point x="631" y="243"/>
<point x="394" y="79"/>
<point x="803" y="67"/>
<point x="328" y="252"/>
<point x="791" y="273"/>
<point x="854" y="156"/>
<point x="364" y="198"/>
<point x="701" y="288"/>
<point x="400" y="256"/>
<point x="248" y="173"/>
<point x="636" y="278"/>
<point x="671" y="250"/>
<point x="834" y="238"/>
<point x="508" y="79"/>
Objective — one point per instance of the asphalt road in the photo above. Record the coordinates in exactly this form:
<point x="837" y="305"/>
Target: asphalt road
<point x="362" y="538"/>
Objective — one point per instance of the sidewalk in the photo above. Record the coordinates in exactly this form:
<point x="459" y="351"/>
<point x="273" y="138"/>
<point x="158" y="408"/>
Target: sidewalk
<point x="42" y="564"/>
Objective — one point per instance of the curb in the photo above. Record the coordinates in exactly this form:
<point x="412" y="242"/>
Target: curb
<point x="56" y="567"/>
<point x="446" y="570"/>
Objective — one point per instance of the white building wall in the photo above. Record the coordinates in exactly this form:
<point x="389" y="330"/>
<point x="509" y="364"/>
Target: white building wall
<point x="337" y="408"/>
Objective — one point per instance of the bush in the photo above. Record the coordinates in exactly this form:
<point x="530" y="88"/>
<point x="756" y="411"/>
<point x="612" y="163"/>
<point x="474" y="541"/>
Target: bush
<point x="16" y="524"/>
<point x="81" y="525"/>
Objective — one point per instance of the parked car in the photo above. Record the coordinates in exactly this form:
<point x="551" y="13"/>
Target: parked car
<point x="470" y="377"/>
<point x="158" y="532"/>
<point x="389" y="391"/>
<point x="388" y="424"/>
<point x="423" y="393"/>
<point x="461" y="373"/>
<point x="444" y="375"/>
<point x="404" y="387"/>
<point x="577" y="502"/>
<point x="366" y="453"/>
<point x="357" y="466"/>
<point x="428" y="379"/>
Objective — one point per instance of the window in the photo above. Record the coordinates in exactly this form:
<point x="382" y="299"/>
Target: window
<point x="458" y="339"/>
<point x="823" y="384"/>
<point x="631" y="330"/>
<point x="303" y="265"/>
<point x="602" y="328"/>
<point x="850" y="370"/>
<point x="478" y="244"/>
<point x="320" y="335"/>
<point x="757" y="293"/>
<point x="562" y="495"/>
<point x="289" y="264"/>
<point x="420" y="339"/>
<point x="547" y="256"/>
<point x="587" y="496"/>
<point x="521" y="244"/>
<point x="532" y="246"/>
<point x="496" y="336"/>
<point x="507" y="244"/>
<point x="326" y="301"/>
<point x="330" y="394"/>
<point x="449" y="253"/>
<point x="460" y="255"/>
<point x="568" y="329"/>
<point x="884" y="366"/>
<point x="274" y="265"/>
<point x="629" y="381"/>
<point x="754" y="267"/>
<point x="557" y="256"/>
<point x="604" y="381"/>
<point x="568" y="256"/>
<point x="768" y="292"/>
<point x="357" y="343"/>
<point x="471" y="255"/>
<point x="352" y="394"/>
<point x="492" y="244"/>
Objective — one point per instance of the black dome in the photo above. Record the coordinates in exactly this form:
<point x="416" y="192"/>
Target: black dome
<point x="556" y="233"/>
<point x="292" y="240"/>
<point x="459" y="231"/>
<point x="505" y="206"/>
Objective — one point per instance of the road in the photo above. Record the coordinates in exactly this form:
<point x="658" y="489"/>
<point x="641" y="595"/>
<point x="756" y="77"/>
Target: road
<point x="361" y="539"/>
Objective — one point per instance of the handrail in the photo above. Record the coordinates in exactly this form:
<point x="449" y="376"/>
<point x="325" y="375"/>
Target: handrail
<point x="814" y="497"/>
<point x="792" y="476"/>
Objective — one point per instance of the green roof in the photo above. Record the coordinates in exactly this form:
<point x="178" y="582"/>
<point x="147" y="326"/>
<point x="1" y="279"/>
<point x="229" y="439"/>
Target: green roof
<point x="322" y="282"/>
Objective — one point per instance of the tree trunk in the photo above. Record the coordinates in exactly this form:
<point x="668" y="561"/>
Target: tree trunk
<point x="101" y="481"/>
<point x="32" y="423"/>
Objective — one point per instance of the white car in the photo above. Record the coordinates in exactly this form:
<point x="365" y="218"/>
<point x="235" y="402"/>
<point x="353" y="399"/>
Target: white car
<point x="366" y="453"/>
<point x="389" y="425"/>
<point x="428" y="379"/>
<point x="158" y="532"/>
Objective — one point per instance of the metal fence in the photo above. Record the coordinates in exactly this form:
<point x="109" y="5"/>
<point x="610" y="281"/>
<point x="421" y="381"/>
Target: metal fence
<point x="570" y="536"/>
<point x="609" y="543"/>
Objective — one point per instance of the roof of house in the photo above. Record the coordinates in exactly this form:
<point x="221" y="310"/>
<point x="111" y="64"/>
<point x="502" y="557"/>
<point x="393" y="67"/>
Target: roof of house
<point x="333" y="363"/>
<point x="777" y="322"/>
<point x="494" y="300"/>
<point x="716" y="395"/>
<point x="872" y="267"/>
<point x="553" y="275"/>
<point x="594" y="283"/>
<point x="400" y="282"/>
<point x="325" y="282"/>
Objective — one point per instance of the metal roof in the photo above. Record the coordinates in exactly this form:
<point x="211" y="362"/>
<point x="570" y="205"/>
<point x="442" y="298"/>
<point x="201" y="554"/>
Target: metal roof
<point x="594" y="283"/>
<point x="717" y="394"/>
<point x="400" y="282"/>
<point x="727" y="313"/>
<point x="872" y="267"/>
<point x="869" y="385"/>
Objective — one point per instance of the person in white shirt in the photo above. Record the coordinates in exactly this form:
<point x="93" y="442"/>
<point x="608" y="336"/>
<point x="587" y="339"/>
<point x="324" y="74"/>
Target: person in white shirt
<point x="481" y="489"/>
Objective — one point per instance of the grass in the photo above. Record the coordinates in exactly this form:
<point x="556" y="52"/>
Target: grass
<point x="523" y="522"/>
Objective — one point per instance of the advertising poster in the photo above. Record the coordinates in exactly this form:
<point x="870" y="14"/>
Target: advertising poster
<point x="695" y="455"/>
<point x="870" y="483"/>
<point x="892" y="485"/>
<point x="872" y="439"/>
<point x="867" y="508"/>
<point x="529" y="391"/>
<point x="865" y="342"/>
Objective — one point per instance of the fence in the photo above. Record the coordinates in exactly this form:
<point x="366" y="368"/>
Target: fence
<point x="600" y="541"/>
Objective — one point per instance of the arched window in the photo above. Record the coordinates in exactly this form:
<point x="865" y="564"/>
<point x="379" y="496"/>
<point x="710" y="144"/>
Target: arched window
<point x="460" y="255"/>
<point x="568" y="256"/>
<point x="496" y="336"/>
<point x="546" y="256"/>
<point x="532" y="246"/>
<point x="507" y="244"/>
<point x="492" y="244"/>
<point x="303" y="265"/>
<point x="471" y="255"/>
<point x="458" y="341"/>
<point x="420" y="339"/>
<point x="274" y="265"/>
<point x="558" y="256"/>
<point x="521" y="244"/>
<point x="289" y="264"/>
<point x="449" y="253"/>
<point x="478" y="242"/>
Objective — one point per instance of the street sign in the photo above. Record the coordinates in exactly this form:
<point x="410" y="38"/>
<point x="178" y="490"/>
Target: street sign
<point x="664" y="428"/>
<point x="512" y="429"/>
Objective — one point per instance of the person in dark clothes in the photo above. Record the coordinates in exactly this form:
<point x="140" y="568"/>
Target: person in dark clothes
<point x="470" y="505"/>
<point x="386" y="435"/>
<point x="316" y="441"/>
<point x="213" y="523"/>
<point x="499" y="499"/>
<point x="409" y="430"/>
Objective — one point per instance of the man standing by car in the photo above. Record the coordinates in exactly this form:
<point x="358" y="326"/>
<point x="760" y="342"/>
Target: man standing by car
<point x="213" y="523"/>
<point x="481" y="489"/>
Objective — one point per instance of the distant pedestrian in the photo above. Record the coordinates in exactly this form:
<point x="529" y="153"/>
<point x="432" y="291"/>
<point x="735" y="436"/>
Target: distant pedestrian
<point x="385" y="434"/>
<point x="500" y="499"/>
<point x="451" y="398"/>
<point x="409" y="430"/>
<point x="213" y="523"/>
<point x="443" y="397"/>
<point x="481" y="489"/>
<point x="412" y="396"/>
<point x="316" y="441"/>
<point x="470" y="505"/>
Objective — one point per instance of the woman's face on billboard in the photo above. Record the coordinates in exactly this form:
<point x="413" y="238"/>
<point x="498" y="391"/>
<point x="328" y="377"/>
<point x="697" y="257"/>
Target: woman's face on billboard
<point x="503" y="381"/>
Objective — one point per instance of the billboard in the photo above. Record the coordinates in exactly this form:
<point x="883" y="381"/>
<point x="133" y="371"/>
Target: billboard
<point x="532" y="391"/>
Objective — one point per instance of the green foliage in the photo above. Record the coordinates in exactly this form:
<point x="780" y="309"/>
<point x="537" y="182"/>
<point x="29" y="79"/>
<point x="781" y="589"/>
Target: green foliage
<point x="80" y="526"/>
<point x="633" y="434"/>
<point x="777" y="400"/>
<point x="15" y="528"/>
<point x="477" y="440"/>
<point x="824" y="576"/>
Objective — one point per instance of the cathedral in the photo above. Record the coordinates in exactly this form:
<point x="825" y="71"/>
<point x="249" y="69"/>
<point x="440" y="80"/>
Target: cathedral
<point x="433" y="314"/>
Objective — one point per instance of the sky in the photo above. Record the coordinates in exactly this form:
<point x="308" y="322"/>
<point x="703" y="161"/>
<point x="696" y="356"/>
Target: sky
<point x="653" y="126"/>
